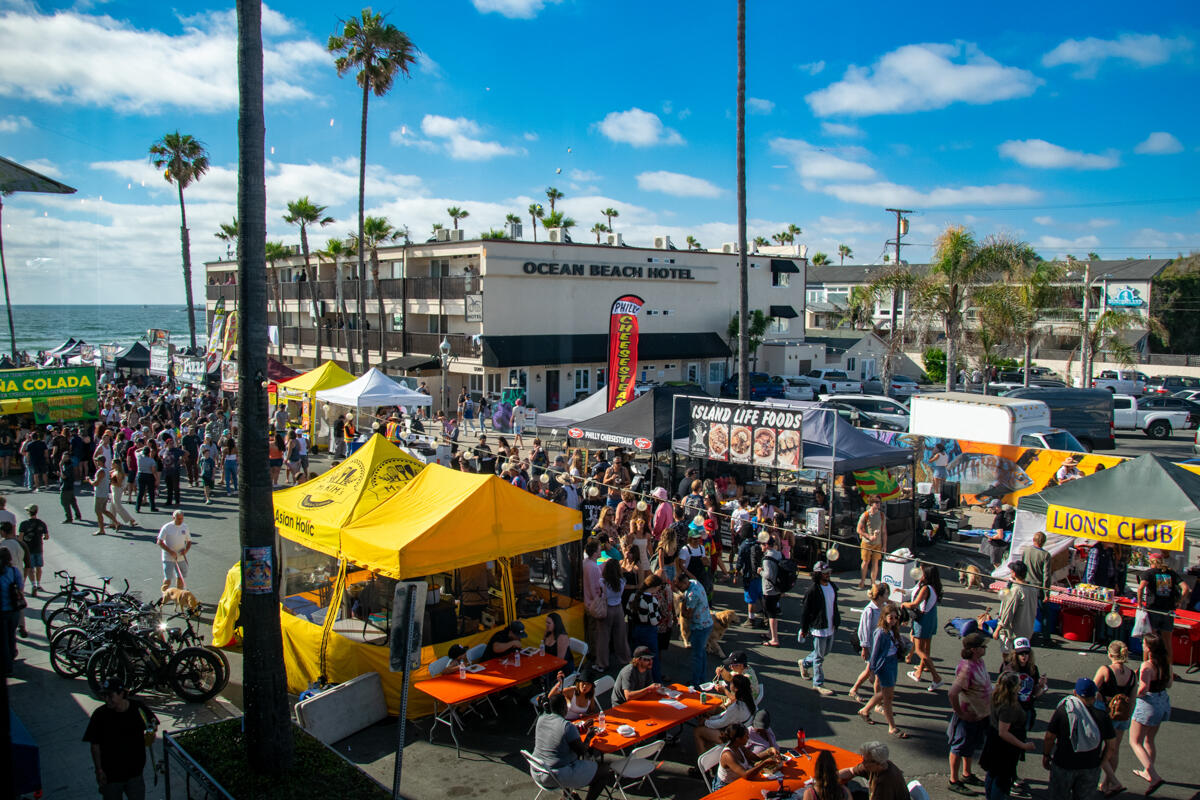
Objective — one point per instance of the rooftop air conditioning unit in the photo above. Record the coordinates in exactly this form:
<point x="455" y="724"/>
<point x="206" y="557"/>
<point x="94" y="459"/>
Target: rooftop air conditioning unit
<point x="443" y="234"/>
<point x="456" y="235"/>
<point x="614" y="239"/>
<point x="729" y="247"/>
<point x="558" y="235"/>
<point x="662" y="243"/>
<point x="514" y="230"/>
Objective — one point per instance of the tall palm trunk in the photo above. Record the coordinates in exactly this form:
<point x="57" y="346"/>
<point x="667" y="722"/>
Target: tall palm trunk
<point x="344" y="317"/>
<point x="186" y="244"/>
<point x="267" y="721"/>
<point x="362" y="193"/>
<point x="379" y="300"/>
<point x="743" y="365"/>
<point x="12" y="331"/>
<point x="1028" y="357"/>
<point x="314" y="291"/>
<point x="951" y="355"/>
<point x="276" y="293"/>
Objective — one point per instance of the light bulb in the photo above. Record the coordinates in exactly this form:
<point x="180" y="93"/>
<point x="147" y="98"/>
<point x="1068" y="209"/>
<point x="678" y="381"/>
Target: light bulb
<point x="545" y="477"/>
<point x="593" y="491"/>
<point x="832" y="553"/>
<point x="915" y="572"/>
<point x="1113" y="619"/>
<point x="641" y="505"/>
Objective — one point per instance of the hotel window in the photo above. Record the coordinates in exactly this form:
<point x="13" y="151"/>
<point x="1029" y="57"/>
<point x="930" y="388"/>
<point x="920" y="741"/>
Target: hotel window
<point x="780" y="279"/>
<point x="583" y="380"/>
<point x="716" y="372"/>
<point x="779" y="325"/>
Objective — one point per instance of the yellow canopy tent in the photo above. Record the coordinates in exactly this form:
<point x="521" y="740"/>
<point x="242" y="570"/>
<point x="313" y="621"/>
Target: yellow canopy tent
<point x="304" y="388"/>
<point x="440" y="521"/>
<point x="313" y="513"/>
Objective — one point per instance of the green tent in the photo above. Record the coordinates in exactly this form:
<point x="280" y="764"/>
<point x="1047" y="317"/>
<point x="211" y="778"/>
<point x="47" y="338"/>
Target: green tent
<point x="1145" y="488"/>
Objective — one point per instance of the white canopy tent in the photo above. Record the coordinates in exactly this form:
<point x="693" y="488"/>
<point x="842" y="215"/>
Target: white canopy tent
<point x="372" y="390"/>
<point x="593" y="405"/>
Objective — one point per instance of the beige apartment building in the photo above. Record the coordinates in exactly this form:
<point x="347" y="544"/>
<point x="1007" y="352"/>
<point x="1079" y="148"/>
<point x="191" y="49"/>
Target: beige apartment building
<point x="531" y="314"/>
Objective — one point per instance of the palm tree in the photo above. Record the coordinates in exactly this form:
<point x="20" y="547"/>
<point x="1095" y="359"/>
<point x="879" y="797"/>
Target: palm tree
<point x="998" y="317"/>
<point x="536" y="212"/>
<point x="512" y="219"/>
<point x="437" y="226"/>
<point x="1093" y="256"/>
<point x="780" y="238"/>
<point x="456" y="214"/>
<point x="337" y="251"/>
<point x="887" y="284"/>
<point x="184" y="161"/>
<point x="304" y="212"/>
<point x="1035" y="289"/>
<point x="553" y="195"/>
<point x="844" y="252"/>
<point x="793" y="230"/>
<point x="761" y="241"/>
<point x="598" y="229"/>
<point x="273" y="253"/>
<point x="860" y="310"/>
<point x="610" y="214"/>
<point x="493" y="233"/>
<point x="267" y="721"/>
<point x="378" y="231"/>
<point x="756" y="331"/>
<point x="819" y="259"/>
<point x="229" y="235"/>
<point x="693" y="243"/>
<point x="379" y="52"/>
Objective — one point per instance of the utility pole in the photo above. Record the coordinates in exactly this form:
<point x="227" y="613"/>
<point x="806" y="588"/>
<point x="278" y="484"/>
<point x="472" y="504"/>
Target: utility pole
<point x="901" y="230"/>
<point x="1085" y="349"/>
<point x="743" y="364"/>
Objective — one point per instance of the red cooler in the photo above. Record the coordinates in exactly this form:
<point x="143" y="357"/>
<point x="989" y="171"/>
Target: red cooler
<point x="1077" y="625"/>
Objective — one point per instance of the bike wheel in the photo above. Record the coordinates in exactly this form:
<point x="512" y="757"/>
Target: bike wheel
<point x="105" y="663"/>
<point x="66" y="599"/>
<point x="224" y="663"/>
<point x="70" y="649"/>
<point x="65" y="617"/>
<point x="197" y="674"/>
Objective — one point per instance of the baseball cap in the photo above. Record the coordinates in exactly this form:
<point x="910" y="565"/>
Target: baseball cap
<point x="736" y="657"/>
<point x="641" y="651"/>
<point x="517" y="627"/>
<point x="31" y="509"/>
<point x="822" y="566"/>
<point x="763" y="537"/>
<point x="1085" y="687"/>
<point x="1021" y="645"/>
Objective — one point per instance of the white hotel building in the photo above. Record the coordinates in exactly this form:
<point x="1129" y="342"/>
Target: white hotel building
<point x="534" y="314"/>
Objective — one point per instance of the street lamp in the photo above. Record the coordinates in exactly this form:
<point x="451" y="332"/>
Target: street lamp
<point x="444" y="360"/>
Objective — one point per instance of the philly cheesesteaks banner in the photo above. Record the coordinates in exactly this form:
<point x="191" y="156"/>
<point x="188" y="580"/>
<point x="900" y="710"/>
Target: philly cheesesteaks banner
<point x="623" y="349"/>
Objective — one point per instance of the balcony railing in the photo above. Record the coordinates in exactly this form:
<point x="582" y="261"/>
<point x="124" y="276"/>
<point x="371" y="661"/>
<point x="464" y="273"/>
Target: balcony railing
<point x="461" y="345"/>
<point x="420" y="288"/>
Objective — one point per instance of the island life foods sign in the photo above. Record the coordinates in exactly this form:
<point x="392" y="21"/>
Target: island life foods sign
<point x="747" y="434"/>
<point x="65" y="394"/>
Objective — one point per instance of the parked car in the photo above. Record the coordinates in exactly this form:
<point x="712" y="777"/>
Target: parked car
<point x="1170" y="384"/>
<point x="795" y="388"/>
<point x="863" y="419"/>
<point x="876" y="405"/>
<point x="1188" y="394"/>
<point x="902" y="386"/>
<point x="1125" y="381"/>
<point x="761" y="387"/>
<point x="1157" y="417"/>
<point x="833" y="381"/>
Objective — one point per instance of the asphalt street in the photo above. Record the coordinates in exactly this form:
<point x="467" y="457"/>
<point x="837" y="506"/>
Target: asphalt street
<point x="55" y="709"/>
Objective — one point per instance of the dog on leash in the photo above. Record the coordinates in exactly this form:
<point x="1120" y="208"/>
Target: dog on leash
<point x="970" y="575"/>
<point x="721" y="622"/>
<point x="183" y="599"/>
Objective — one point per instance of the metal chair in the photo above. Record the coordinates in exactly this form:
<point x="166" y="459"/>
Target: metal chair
<point x="604" y="686"/>
<point x="638" y="767"/>
<point x="707" y="762"/>
<point x="545" y="779"/>
<point x="579" y="648"/>
<point x="476" y="652"/>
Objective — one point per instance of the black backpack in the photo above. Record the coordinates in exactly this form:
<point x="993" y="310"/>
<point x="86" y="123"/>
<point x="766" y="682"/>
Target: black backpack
<point x="785" y="574"/>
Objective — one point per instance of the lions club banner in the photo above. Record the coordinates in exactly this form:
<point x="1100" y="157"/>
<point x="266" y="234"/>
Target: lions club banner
<point x="1162" y="534"/>
<point x="623" y="349"/>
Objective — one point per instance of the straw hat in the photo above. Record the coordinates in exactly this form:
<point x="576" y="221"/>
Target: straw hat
<point x="566" y="477"/>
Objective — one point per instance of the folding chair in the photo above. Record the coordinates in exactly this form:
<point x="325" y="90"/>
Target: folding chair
<point x="476" y="652"/>
<point x="545" y="779"/>
<point x="638" y="767"/>
<point x="605" y="686"/>
<point x="579" y="648"/>
<point x="758" y="698"/>
<point x="707" y="762"/>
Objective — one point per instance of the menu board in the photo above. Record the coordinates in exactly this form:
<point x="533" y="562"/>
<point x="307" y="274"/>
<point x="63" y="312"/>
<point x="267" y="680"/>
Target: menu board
<point x="745" y="433"/>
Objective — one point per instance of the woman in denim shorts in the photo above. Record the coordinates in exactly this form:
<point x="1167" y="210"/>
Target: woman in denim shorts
<point x="1152" y="708"/>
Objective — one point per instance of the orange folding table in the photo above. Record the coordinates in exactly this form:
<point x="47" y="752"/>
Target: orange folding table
<point x="450" y="691"/>
<point x="651" y="714"/>
<point x="796" y="771"/>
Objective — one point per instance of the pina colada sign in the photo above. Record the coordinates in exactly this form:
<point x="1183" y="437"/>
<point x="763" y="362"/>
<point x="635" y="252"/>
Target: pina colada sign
<point x="17" y="383"/>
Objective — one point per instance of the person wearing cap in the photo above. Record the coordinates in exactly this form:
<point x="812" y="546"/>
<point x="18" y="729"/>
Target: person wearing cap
<point x="820" y="618"/>
<point x="692" y="559"/>
<point x="1032" y="683"/>
<point x="635" y="678"/>
<point x="581" y="695"/>
<point x="1160" y="591"/>
<point x="1069" y="471"/>
<point x="694" y="606"/>
<point x="119" y="733"/>
<point x="996" y="543"/>
<point x="768" y="587"/>
<point x="737" y="663"/>
<point x="872" y="538"/>
<point x="663" y="515"/>
<point x="1078" y="738"/>
<point x="33" y="535"/>
<point x="505" y="640"/>
<point x="1018" y="609"/>
<point x="970" y="699"/>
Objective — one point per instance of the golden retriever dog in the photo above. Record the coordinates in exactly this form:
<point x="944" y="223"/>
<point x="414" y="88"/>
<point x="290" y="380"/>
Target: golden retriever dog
<point x="182" y="598"/>
<point x="971" y="576"/>
<point x="721" y="622"/>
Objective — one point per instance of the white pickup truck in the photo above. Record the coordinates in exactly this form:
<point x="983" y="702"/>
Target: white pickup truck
<point x="1124" y="381"/>
<point x="832" y="381"/>
<point x="1157" y="417"/>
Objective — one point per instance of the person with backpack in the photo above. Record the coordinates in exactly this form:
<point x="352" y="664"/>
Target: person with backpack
<point x="748" y="564"/>
<point x="1115" y="683"/>
<point x="770" y="586"/>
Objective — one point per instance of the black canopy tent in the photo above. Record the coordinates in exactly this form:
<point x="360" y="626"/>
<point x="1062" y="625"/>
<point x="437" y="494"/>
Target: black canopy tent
<point x="644" y="424"/>
<point x="136" y="356"/>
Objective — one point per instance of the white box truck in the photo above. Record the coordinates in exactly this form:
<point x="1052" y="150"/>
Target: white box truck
<point x="983" y="418"/>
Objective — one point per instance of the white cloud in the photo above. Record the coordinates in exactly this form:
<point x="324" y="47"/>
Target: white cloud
<point x="812" y="67"/>
<point x="638" y="128"/>
<point x="1041" y="154"/>
<point x="1159" y="143"/>
<point x="513" y="9"/>
<point x="1044" y="220"/>
<point x="459" y="136"/>
<point x="886" y="193"/>
<point x="530" y="136"/>
<point x="1062" y="245"/>
<point x="427" y="66"/>
<point x="1143" y="50"/>
<point x="13" y="124"/>
<point x="1101" y="222"/>
<point x="676" y="184"/>
<point x="920" y="77"/>
<point x="582" y="175"/>
<point x="814" y="163"/>
<point x="757" y="105"/>
<point x="44" y="166"/>
<point x="100" y="61"/>
<point x="843" y="131"/>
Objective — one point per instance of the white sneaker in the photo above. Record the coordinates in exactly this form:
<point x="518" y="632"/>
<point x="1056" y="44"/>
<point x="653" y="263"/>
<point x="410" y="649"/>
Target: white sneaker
<point x="933" y="687"/>
<point x="912" y="675"/>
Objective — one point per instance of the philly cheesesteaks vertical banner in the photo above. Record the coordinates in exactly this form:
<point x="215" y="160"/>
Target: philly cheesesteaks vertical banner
<point x="623" y="349"/>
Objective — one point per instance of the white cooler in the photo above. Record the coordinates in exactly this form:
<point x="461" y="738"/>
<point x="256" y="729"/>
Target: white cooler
<point x="897" y="573"/>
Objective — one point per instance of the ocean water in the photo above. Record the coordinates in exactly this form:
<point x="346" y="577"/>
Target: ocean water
<point x="46" y="327"/>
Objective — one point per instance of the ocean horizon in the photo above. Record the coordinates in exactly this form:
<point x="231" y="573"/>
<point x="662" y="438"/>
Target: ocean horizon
<point x="46" y="326"/>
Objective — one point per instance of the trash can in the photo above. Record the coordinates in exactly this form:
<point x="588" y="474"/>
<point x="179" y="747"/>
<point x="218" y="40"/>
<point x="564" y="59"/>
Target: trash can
<point x="896" y="570"/>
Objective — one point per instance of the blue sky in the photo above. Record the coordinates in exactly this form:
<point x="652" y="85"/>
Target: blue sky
<point x="1072" y="129"/>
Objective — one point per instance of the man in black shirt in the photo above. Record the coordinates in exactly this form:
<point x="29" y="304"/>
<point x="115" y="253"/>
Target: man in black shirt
<point x="33" y="532"/>
<point x="487" y="461"/>
<point x="1160" y="590"/>
<point x="191" y="450"/>
<point x="505" y="641"/>
<point x="117" y="733"/>
<point x="1078" y="738"/>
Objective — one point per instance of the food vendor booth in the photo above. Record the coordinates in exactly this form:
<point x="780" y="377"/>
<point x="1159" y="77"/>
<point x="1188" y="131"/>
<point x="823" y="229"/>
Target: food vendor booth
<point x="1144" y="504"/>
<point x="300" y="394"/>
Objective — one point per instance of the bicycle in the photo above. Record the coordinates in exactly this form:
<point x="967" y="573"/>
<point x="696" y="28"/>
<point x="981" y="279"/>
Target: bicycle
<point x="71" y="646"/>
<point x="72" y="593"/>
<point x="76" y="611"/>
<point x="146" y="658"/>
